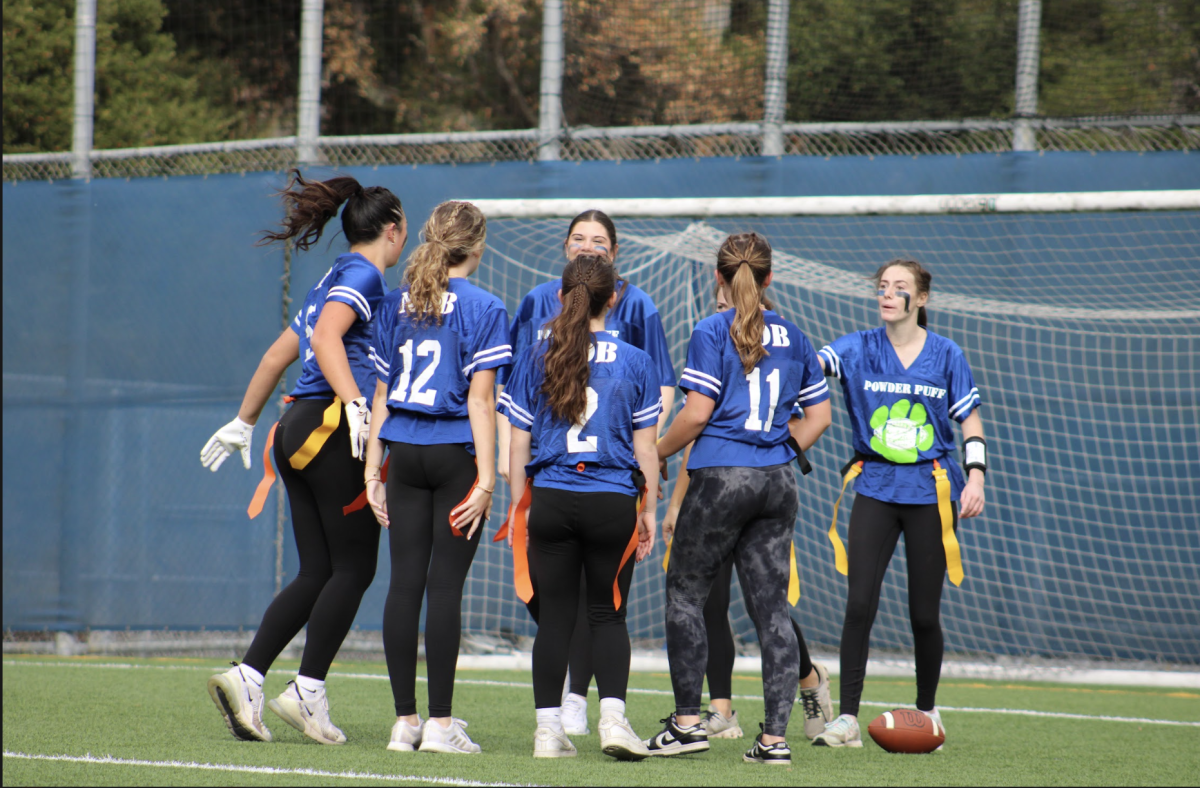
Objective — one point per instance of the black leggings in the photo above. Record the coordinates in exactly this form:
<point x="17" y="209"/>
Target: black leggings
<point x="875" y="527"/>
<point x="428" y="560"/>
<point x="721" y="650"/>
<point x="579" y="657"/>
<point x="338" y="552"/>
<point x="573" y="532"/>
<point x="749" y="513"/>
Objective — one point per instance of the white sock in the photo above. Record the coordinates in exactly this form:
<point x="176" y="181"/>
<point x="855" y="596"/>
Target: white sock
<point x="309" y="685"/>
<point x="251" y="674"/>
<point x="550" y="718"/>
<point x="582" y="701"/>
<point x="614" y="707"/>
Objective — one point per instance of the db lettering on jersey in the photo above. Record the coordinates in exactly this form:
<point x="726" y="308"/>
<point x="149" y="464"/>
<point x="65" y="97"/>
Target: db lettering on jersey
<point x="776" y="335"/>
<point x="603" y="352"/>
<point x="448" y="300"/>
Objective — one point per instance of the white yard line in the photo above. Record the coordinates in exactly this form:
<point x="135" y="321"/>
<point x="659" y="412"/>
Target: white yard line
<point x="631" y="691"/>
<point x="229" y="767"/>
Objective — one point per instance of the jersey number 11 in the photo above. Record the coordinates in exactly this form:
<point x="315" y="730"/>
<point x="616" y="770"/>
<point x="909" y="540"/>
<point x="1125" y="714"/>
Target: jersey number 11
<point x="754" y="423"/>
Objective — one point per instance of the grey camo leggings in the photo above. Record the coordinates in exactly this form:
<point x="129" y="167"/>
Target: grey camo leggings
<point x="749" y="512"/>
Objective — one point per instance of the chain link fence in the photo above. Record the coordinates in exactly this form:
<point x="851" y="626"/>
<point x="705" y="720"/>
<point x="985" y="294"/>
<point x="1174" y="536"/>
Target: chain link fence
<point x="435" y="83"/>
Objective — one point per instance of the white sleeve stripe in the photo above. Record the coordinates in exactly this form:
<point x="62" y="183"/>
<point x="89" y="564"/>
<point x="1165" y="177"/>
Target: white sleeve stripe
<point x="502" y="354"/>
<point x="835" y="363"/>
<point x="820" y="385"/>
<point x="356" y="298"/>
<point x="515" y="413"/>
<point x="699" y="374"/>
<point x="493" y="349"/>
<point x="653" y="417"/>
<point x="972" y="393"/>
<point x="802" y="397"/>
<point x="517" y="409"/>
<point x="656" y="406"/>
<point x="965" y="406"/>
<point x="705" y="383"/>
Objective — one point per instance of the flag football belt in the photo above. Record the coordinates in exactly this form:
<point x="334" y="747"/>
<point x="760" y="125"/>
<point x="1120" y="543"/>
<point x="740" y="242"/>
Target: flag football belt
<point x="518" y="515"/>
<point x="852" y="469"/>
<point x="301" y="458"/>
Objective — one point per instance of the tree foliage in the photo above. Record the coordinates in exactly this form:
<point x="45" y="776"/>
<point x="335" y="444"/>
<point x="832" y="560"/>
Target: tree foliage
<point x="173" y="71"/>
<point x="145" y="94"/>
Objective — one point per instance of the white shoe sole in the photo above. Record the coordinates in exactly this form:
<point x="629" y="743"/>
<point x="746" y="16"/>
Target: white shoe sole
<point x="682" y="749"/>
<point x="292" y="716"/>
<point x="446" y="749"/>
<point x="765" y="762"/>
<point x="225" y="695"/>
<point x="584" y="731"/>
<point x="819" y="742"/>
<point x="735" y="732"/>
<point x="623" y="750"/>
<point x="555" y="753"/>
<point x="399" y="746"/>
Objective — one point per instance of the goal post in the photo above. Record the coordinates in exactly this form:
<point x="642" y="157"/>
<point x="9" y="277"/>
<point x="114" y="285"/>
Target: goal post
<point x="1080" y="316"/>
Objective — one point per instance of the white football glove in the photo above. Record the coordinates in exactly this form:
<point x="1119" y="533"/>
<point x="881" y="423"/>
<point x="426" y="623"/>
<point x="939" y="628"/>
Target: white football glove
<point x="234" y="436"/>
<point x="358" y="417"/>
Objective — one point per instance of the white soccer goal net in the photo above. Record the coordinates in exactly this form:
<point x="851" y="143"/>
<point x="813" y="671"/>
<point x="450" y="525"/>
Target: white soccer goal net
<point x="1080" y="316"/>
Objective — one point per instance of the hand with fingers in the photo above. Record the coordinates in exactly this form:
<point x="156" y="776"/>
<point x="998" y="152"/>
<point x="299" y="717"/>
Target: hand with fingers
<point x="234" y="436"/>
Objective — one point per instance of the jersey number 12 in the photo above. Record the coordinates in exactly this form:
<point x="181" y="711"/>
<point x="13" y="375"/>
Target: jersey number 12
<point x="754" y="423"/>
<point x="418" y="395"/>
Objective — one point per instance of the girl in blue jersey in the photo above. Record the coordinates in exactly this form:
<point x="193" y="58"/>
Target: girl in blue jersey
<point x="318" y="453"/>
<point x="635" y="320"/>
<point x="721" y="720"/>
<point x="591" y="403"/>
<point x="903" y="385"/>
<point x="438" y="342"/>
<point x="745" y="369"/>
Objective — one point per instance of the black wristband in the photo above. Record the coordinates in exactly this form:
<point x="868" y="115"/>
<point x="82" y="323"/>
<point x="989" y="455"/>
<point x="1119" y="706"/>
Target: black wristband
<point x="975" y="454"/>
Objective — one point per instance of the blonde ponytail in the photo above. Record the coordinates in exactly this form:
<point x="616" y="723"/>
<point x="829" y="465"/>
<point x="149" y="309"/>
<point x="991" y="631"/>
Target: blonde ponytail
<point x="744" y="262"/>
<point x="453" y="232"/>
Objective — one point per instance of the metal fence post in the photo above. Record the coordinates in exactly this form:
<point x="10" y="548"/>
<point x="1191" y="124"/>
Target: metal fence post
<point x="550" y="107"/>
<point x="85" y="88"/>
<point x="308" y="124"/>
<point x="1029" y="20"/>
<point x="775" y="87"/>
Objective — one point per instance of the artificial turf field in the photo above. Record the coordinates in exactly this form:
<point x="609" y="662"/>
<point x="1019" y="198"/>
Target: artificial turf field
<point x="115" y="721"/>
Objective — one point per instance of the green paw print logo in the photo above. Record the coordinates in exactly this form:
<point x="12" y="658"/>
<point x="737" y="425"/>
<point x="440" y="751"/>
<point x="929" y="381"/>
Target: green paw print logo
<point x="901" y="432"/>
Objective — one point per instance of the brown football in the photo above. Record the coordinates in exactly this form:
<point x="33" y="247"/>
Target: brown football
<point x="906" y="730"/>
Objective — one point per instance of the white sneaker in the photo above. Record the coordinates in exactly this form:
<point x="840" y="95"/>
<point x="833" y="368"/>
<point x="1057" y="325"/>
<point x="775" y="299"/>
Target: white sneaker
<point x="818" y="706"/>
<point x="936" y="716"/>
<point x="842" y="732"/>
<point x="618" y="740"/>
<point x="309" y="715"/>
<point x="721" y="727"/>
<point x="452" y="740"/>
<point x="405" y="737"/>
<point x="240" y="702"/>
<point x="548" y="744"/>
<point x="574" y="715"/>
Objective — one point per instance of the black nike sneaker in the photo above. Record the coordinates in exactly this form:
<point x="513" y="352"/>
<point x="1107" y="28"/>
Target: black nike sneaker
<point x="674" y="740"/>
<point x="777" y="754"/>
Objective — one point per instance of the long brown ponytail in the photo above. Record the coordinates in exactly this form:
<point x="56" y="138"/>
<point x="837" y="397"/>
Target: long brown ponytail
<point x="311" y="204"/>
<point x="922" y="279"/>
<point x="744" y="262"/>
<point x="588" y="283"/>
<point x="453" y="232"/>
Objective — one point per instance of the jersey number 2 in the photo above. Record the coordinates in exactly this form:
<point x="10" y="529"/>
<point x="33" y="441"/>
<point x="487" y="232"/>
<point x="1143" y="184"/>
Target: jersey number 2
<point x="418" y="395"/>
<point x="588" y="442"/>
<point x="754" y="423"/>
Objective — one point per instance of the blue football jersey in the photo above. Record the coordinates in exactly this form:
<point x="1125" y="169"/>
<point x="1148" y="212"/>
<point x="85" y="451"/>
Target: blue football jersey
<point x="634" y="319"/>
<point x="903" y="415"/>
<point x="595" y="455"/>
<point x="428" y="368"/>
<point x="353" y="281"/>
<point x="748" y="426"/>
